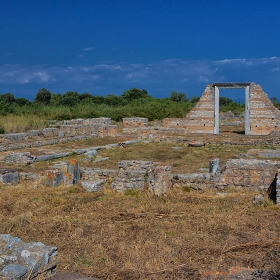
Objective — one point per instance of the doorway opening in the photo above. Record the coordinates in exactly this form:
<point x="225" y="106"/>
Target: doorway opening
<point x="232" y="86"/>
<point x="232" y="111"/>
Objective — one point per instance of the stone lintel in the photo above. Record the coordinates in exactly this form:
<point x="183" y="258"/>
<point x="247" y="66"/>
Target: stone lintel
<point x="232" y="85"/>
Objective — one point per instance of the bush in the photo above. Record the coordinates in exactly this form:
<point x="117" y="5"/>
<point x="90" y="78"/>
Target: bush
<point x="69" y="101"/>
<point x="43" y="96"/>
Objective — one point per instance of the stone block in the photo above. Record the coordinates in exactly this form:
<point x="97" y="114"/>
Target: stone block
<point x="34" y="132"/>
<point x="16" y="136"/>
<point x="73" y="174"/>
<point x="20" y="158"/>
<point x="159" y="179"/>
<point x="28" y="176"/>
<point x="214" y="165"/>
<point x="93" y="186"/>
<point x="54" y="178"/>
<point x="9" y="176"/>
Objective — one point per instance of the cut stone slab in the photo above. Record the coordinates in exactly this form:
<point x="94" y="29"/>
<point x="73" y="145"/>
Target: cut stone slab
<point x="54" y="178"/>
<point x="93" y="186"/>
<point x="9" y="176"/>
<point x="196" y="143"/>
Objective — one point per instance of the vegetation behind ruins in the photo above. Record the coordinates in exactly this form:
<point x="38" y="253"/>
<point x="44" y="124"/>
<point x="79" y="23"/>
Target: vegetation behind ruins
<point x="20" y="114"/>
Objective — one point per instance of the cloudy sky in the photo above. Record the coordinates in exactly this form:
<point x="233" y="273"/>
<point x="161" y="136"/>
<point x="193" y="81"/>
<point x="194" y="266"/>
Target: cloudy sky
<point x="108" y="46"/>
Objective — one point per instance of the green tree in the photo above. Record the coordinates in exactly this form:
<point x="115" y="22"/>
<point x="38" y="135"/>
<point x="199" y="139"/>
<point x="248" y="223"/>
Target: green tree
<point x="224" y="101"/>
<point x="178" y="96"/>
<point x="134" y="93"/>
<point x="69" y="101"/>
<point x="22" y="101"/>
<point x="7" y="97"/>
<point x="114" y="100"/>
<point x="195" y="99"/>
<point x="43" y="96"/>
<point x="85" y="95"/>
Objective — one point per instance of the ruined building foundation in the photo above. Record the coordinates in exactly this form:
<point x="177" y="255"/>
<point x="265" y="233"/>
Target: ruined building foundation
<point x="261" y="116"/>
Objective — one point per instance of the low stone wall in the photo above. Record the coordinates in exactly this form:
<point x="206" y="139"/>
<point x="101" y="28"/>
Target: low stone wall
<point x="248" y="173"/>
<point x="19" y="260"/>
<point x="67" y="131"/>
<point x="135" y="122"/>
<point x="141" y="175"/>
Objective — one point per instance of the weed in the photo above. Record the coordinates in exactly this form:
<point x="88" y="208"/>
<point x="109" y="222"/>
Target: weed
<point x="186" y="188"/>
<point x="131" y="192"/>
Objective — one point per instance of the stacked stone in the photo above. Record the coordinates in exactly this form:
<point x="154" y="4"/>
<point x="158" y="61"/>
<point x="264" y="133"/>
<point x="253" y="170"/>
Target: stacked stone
<point x="19" y="158"/>
<point x="132" y="175"/>
<point x="201" y="118"/>
<point x="159" y="179"/>
<point x="278" y="188"/>
<point x="16" y="136"/>
<point x="264" y="116"/>
<point x="64" y="173"/>
<point x="135" y="122"/>
<point x="248" y="173"/>
<point x="174" y="122"/>
<point x="141" y="175"/>
<point x="19" y="260"/>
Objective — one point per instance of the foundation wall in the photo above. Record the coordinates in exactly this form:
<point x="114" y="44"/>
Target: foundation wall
<point x="135" y="122"/>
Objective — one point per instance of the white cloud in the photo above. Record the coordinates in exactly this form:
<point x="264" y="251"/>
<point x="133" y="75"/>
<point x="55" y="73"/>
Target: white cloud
<point x="166" y="74"/>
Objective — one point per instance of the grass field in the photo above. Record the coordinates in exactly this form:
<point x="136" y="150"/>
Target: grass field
<point x="140" y="236"/>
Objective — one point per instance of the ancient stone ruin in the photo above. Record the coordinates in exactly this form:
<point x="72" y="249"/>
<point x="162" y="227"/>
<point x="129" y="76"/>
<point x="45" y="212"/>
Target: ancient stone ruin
<point x="261" y="116"/>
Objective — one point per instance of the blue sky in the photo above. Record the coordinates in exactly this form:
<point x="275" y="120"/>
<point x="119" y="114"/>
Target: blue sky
<point x="108" y="46"/>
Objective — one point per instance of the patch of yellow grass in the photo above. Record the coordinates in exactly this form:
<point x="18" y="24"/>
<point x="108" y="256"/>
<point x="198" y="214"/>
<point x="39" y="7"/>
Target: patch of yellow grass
<point x="114" y="236"/>
<point x="15" y="124"/>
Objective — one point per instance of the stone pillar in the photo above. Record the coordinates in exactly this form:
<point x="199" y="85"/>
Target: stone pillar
<point x="278" y="188"/>
<point x="216" y="110"/>
<point x="159" y="179"/>
<point x="214" y="165"/>
<point x="72" y="176"/>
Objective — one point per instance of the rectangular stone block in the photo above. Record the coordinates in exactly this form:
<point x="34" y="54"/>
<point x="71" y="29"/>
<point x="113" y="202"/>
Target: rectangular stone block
<point x="9" y="176"/>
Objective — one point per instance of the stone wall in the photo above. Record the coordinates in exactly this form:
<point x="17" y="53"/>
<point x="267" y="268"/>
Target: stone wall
<point x="264" y="116"/>
<point x="201" y="118"/>
<point x="248" y="173"/>
<point x="135" y="122"/>
<point x="65" y="131"/>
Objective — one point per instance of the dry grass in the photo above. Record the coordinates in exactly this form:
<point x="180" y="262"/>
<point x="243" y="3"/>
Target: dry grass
<point x="182" y="160"/>
<point x="15" y="124"/>
<point x="139" y="236"/>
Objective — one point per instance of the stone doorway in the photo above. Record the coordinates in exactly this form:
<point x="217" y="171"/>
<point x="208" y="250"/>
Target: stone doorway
<point x="217" y="87"/>
<point x="261" y="116"/>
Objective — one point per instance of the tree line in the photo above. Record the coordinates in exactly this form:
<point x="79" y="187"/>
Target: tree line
<point x="133" y="102"/>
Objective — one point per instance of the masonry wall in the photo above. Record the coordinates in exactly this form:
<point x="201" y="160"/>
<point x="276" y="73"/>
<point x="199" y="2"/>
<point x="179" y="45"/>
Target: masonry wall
<point x="201" y="118"/>
<point x="264" y="116"/>
<point x="248" y="173"/>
